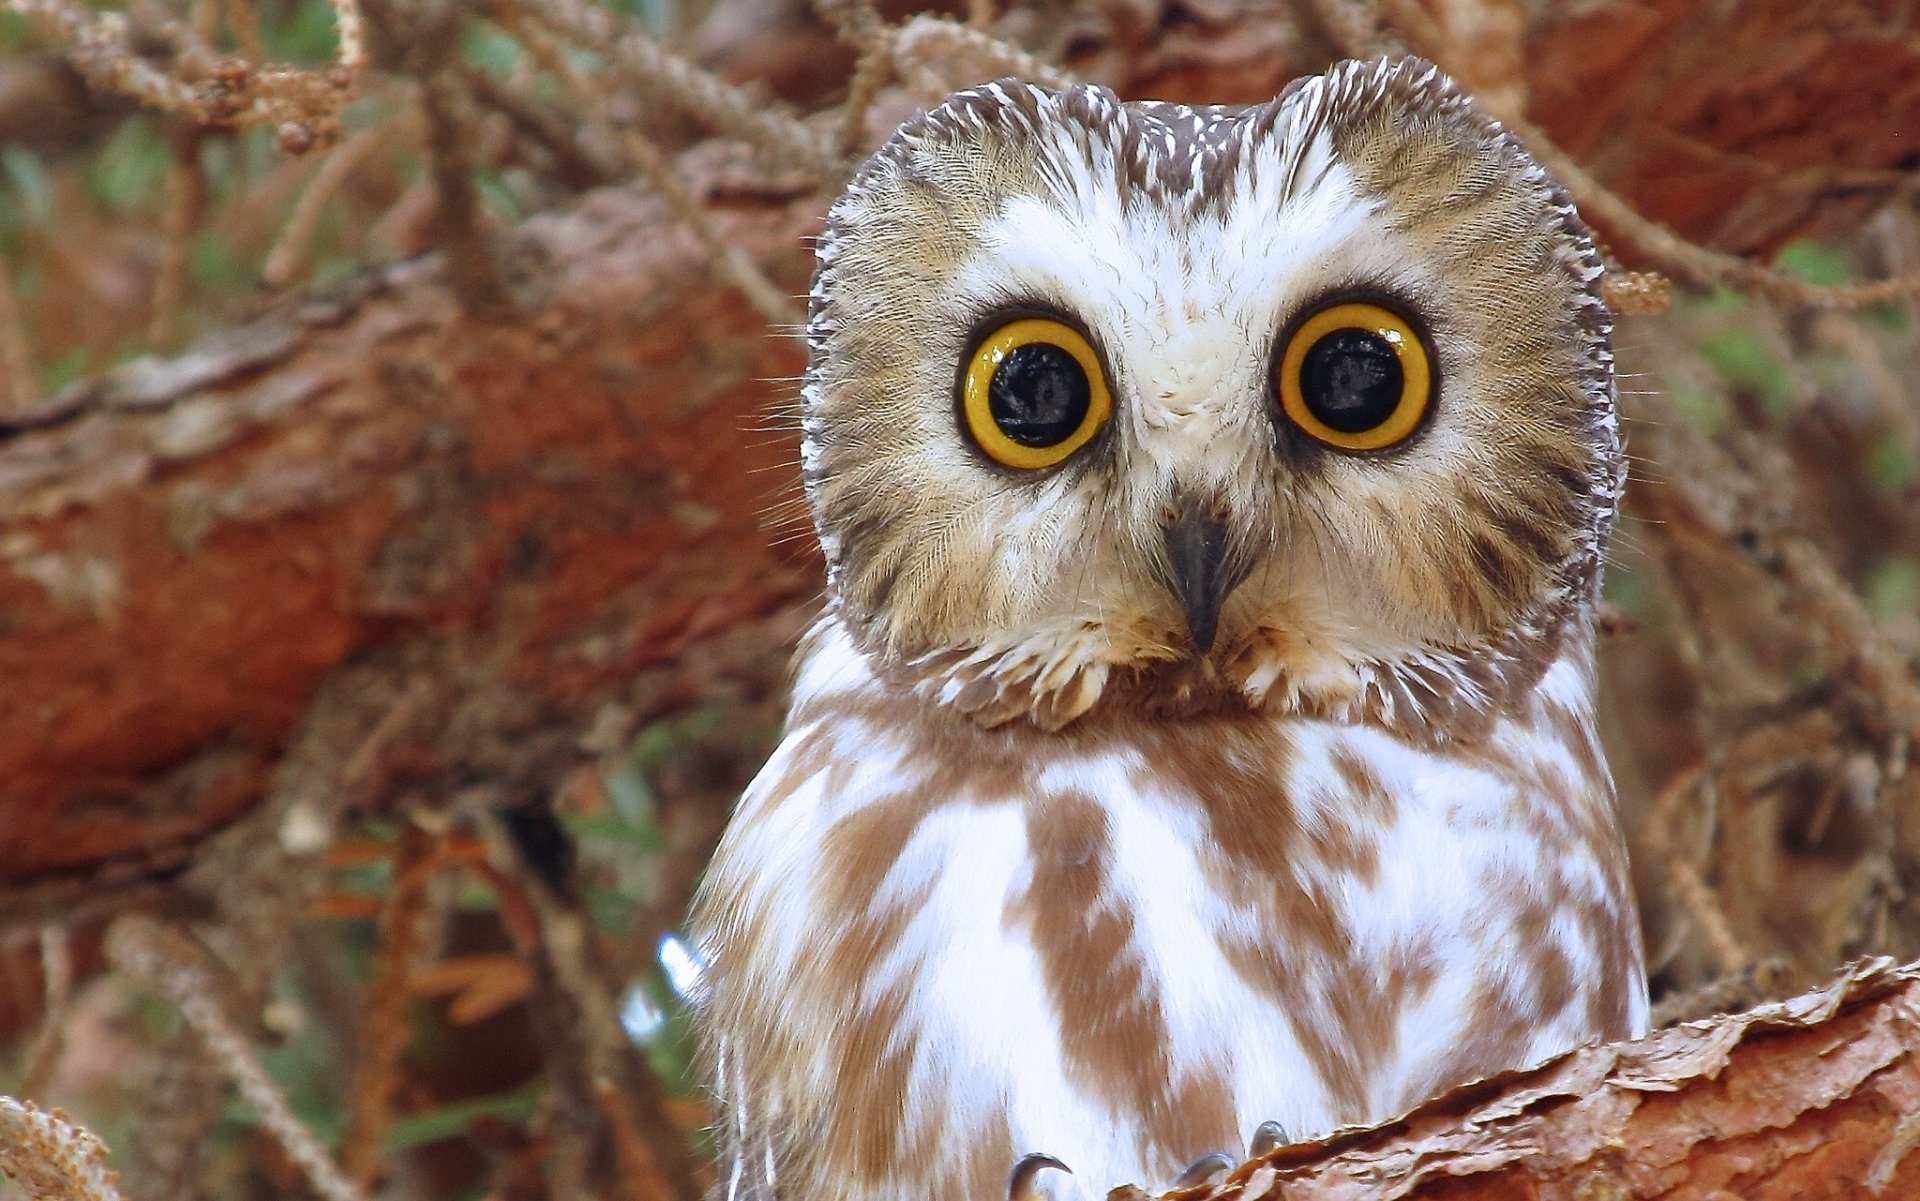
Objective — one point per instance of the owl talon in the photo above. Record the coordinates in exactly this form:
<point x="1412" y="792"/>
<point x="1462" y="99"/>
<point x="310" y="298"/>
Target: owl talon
<point x="1204" y="1169"/>
<point x="1020" y="1180"/>
<point x="1267" y="1136"/>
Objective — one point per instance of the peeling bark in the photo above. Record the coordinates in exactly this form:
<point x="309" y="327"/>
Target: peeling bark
<point x="1813" y="1098"/>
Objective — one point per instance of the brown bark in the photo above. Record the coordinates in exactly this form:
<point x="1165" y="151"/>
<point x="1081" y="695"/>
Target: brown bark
<point x="1811" y="1099"/>
<point x="558" y="510"/>
<point x="560" y="505"/>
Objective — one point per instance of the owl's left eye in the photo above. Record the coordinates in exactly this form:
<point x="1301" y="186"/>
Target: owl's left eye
<point x="1356" y="376"/>
<point x="1034" y="393"/>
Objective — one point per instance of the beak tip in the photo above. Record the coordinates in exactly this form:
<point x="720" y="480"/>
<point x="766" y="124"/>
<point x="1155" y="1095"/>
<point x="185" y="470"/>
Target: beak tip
<point x="1196" y="546"/>
<point x="1202" y="628"/>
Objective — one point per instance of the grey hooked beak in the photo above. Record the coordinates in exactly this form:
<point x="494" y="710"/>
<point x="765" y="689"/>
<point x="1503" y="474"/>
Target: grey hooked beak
<point x="1198" y="571"/>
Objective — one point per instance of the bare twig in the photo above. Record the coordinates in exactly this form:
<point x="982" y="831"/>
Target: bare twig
<point x="727" y="108"/>
<point x="245" y="25"/>
<point x="472" y="264"/>
<point x="571" y="162"/>
<point x="871" y="71"/>
<point x="199" y="84"/>
<point x="100" y="46"/>
<point x="639" y="1174"/>
<point x="1692" y="264"/>
<point x="966" y="56"/>
<point x="56" y="991"/>
<point x="262" y="876"/>
<point x="562" y="948"/>
<point x="179" y="1097"/>
<point x="1486" y="41"/>
<point x="1853" y="637"/>
<point x="352" y="31"/>
<point x="165" y="962"/>
<point x="1694" y="895"/>
<point x="184" y="199"/>
<point x="860" y="26"/>
<point x="732" y="262"/>
<point x="1722" y="994"/>
<point x="287" y="260"/>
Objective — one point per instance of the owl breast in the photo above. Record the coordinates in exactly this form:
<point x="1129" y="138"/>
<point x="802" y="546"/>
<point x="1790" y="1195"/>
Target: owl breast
<point x="937" y="946"/>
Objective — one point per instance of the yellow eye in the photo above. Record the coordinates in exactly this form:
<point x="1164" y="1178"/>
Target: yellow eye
<point x="1034" y="393"/>
<point x="1356" y="376"/>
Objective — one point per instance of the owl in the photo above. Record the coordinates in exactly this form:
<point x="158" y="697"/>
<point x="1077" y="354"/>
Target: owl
<point x="1197" y="747"/>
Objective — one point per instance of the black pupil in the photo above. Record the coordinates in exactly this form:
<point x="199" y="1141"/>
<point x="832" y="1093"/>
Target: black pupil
<point x="1039" y="394"/>
<point x="1351" y="379"/>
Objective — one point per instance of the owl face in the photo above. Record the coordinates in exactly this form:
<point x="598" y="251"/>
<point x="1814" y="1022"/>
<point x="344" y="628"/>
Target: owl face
<point x="1306" y="406"/>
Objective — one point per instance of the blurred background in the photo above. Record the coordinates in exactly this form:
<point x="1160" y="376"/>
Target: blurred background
<point x="400" y="545"/>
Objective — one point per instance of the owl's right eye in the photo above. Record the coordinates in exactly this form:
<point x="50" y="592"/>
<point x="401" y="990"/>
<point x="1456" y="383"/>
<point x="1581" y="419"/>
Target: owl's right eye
<point x="1356" y="375"/>
<point x="1034" y="393"/>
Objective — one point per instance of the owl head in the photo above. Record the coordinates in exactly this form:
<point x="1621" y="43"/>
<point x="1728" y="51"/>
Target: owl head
<point x="1304" y="406"/>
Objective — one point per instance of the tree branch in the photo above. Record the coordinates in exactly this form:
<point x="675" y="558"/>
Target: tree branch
<point x="1811" y="1097"/>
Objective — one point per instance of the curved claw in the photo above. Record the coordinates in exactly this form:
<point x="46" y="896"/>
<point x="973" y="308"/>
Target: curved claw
<point x="1204" y="1169"/>
<point x="1267" y="1136"/>
<point x="1020" y="1180"/>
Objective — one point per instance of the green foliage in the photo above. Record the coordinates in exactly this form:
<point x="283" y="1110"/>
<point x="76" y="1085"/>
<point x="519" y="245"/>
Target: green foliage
<point x="236" y="161"/>
<point x="215" y="265"/>
<point x="455" y="1119"/>
<point x="621" y="845"/>
<point x="129" y="173"/>
<point x="297" y="31"/>
<point x="1625" y="585"/>
<point x="333" y="270"/>
<point x="659" y="16"/>
<point x="310" y="1082"/>
<point x="29" y="190"/>
<point x="1702" y="408"/>
<point x="1819" y="263"/>
<point x="1745" y="359"/>
<point x="501" y="198"/>
<point x="75" y="365"/>
<point x="490" y="48"/>
<point x="1824" y="264"/>
<point x="1893" y="589"/>
<point x="667" y="1036"/>
<point x="1891" y="465"/>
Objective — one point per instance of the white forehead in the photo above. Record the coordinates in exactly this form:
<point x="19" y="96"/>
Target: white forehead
<point x="1186" y="299"/>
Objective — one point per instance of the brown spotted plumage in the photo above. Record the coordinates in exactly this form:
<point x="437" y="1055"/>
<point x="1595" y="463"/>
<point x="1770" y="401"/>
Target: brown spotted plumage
<point x="1200" y="731"/>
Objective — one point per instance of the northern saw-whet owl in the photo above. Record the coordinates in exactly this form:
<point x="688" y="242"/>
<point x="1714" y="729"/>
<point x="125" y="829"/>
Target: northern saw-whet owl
<point x="1197" y="748"/>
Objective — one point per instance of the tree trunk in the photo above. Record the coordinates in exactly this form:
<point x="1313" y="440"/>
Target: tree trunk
<point x="553" y="512"/>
